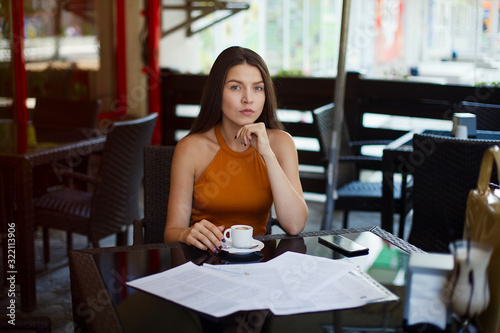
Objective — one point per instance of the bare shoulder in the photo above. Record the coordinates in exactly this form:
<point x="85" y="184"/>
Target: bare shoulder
<point x="279" y="138"/>
<point x="196" y="151"/>
<point x="282" y="144"/>
<point x="187" y="146"/>
<point x="196" y="143"/>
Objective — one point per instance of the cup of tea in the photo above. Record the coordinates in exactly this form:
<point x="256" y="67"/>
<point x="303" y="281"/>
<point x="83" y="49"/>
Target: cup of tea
<point x="241" y="236"/>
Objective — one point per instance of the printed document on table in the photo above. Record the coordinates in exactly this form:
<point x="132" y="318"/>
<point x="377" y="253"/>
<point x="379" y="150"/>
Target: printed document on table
<point x="263" y="276"/>
<point x="204" y="290"/>
<point x="425" y="299"/>
<point x="325" y="284"/>
<point x="306" y="274"/>
<point x="289" y="284"/>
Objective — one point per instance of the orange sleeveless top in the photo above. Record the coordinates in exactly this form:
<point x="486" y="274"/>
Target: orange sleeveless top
<point x="234" y="189"/>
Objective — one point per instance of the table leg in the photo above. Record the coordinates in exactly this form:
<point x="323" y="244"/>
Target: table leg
<point x="25" y="247"/>
<point x="337" y="321"/>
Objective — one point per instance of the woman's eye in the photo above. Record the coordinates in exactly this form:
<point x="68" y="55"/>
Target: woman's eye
<point x="259" y="88"/>
<point x="235" y="87"/>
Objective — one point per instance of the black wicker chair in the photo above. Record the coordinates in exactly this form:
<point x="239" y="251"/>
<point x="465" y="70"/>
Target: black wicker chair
<point x="63" y="120"/>
<point x="446" y="169"/>
<point x="352" y="193"/>
<point x="487" y="115"/>
<point x="113" y="203"/>
<point x="157" y="163"/>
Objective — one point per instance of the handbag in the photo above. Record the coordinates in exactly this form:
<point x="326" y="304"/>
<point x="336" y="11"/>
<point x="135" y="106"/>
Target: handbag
<point x="482" y="224"/>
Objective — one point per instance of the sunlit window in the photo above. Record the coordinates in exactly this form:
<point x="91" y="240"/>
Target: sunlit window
<point x="444" y="41"/>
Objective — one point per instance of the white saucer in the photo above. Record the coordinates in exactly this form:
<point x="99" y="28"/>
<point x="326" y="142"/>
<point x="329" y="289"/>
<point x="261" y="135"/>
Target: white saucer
<point x="234" y="250"/>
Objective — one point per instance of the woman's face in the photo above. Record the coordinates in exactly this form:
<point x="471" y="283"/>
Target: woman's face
<point x="243" y="96"/>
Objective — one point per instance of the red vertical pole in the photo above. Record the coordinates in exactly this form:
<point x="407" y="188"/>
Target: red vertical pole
<point x="153" y="69"/>
<point x="19" y="76"/>
<point x="121" y="60"/>
<point x="123" y="271"/>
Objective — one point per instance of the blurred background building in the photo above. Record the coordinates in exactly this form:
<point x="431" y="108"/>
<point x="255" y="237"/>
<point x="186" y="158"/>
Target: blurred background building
<point x="449" y="41"/>
<point x="71" y="45"/>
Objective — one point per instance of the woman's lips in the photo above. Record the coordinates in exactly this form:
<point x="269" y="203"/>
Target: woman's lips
<point x="247" y="112"/>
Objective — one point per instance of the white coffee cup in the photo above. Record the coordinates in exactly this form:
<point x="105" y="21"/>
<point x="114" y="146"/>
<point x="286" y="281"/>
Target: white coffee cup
<point x="461" y="132"/>
<point x="240" y="235"/>
<point x="464" y="119"/>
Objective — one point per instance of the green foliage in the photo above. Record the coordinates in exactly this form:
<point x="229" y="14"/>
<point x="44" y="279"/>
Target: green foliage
<point x="488" y="84"/>
<point x="290" y="73"/>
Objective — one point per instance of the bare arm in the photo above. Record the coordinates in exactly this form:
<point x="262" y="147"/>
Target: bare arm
<point x="203" y="234"/>
<point x="280" y="155"/>
<point x="283" y="170"/>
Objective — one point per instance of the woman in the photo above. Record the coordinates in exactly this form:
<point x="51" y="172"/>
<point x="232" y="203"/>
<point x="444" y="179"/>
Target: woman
<point x="236" y="161"/>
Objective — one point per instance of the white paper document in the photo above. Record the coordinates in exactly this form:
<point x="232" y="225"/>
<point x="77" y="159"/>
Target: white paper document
<point x="425" y="300"/>
<point x="289" y="284"/>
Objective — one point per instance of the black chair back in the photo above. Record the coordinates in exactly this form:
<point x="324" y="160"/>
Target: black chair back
<point x="157" y="164"/>
<point x="446" y="169"/>
<point x="487" y="115"/>
<point x="353" y="194"/>
<point x="322" y="120"/>
<point x="115" y="203"/>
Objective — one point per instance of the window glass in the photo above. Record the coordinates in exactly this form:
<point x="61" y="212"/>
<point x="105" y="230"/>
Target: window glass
<point x="444" y="41"/>
<point x="6" y="65"/>
<point x="61" y="48"/>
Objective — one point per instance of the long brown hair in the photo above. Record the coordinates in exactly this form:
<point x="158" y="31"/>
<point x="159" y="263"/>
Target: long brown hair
<point x="211" y="100"/>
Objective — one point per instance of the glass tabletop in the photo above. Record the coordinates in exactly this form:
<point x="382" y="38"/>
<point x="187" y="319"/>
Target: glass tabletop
<point x="385" y="262"/>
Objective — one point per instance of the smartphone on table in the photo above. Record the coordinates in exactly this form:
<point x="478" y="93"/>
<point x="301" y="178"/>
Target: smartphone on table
<point x="343" y="245"/>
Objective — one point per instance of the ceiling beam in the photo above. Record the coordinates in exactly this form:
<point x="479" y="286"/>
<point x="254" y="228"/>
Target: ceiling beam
<point x="204" y="8"/>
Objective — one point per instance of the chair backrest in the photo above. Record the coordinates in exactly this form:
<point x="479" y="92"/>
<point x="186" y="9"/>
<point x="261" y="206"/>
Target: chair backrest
<point x="58" y="119"/>
<point x="157" y="164"/>
<point x="445" y="170"/>
<point x="487" y="115"/>
<point x="115" y="203"/>
<point x="322" y="121"/>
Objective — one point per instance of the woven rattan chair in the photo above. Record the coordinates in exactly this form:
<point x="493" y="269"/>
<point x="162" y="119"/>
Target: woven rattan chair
<point x="63" y="120"/>
<point x="157" y="163"/>
<point x="487" y="115"/>
<point x="446" y="169"/>
<point x="114" y="202"/>
<point x="352" y="193"/>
